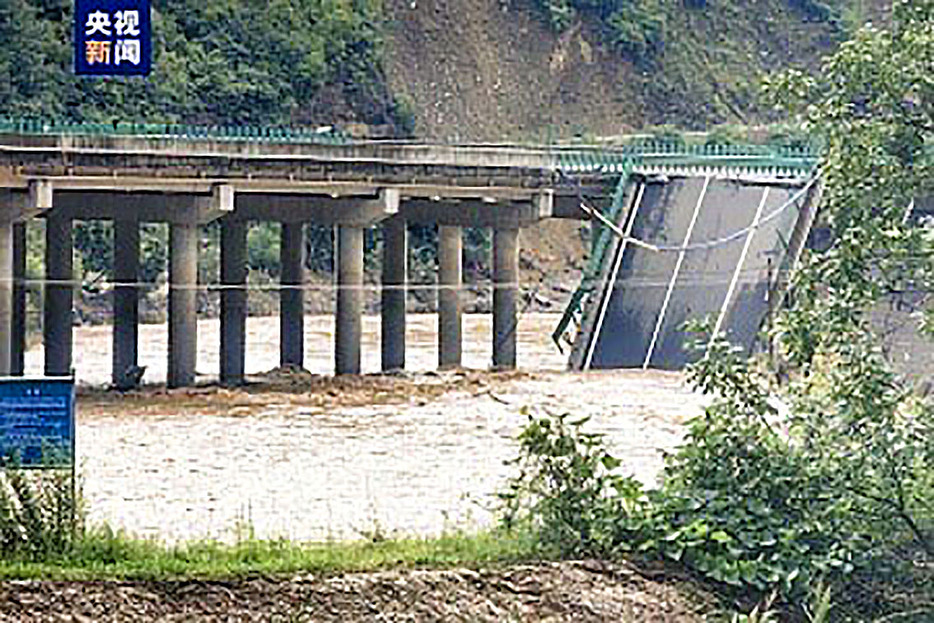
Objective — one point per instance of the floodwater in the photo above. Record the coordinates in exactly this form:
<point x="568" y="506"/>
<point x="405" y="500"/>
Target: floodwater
<point x="312" y="473"/>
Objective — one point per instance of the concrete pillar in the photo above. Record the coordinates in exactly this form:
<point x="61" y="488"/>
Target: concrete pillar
<point x="18" y="345"/>
<point x="292" y="297"/>
<point x="56" y="318"/>
<point x="505" y="293"/>
<point x="233" y="300"/>
<point x="125" y="302"/>
<point x="395" y="257"/>
<point x="450" y="268"/>
<point x="349" y="299"/>
<point x="6" y="297"/>
<point x="183" y="304"/>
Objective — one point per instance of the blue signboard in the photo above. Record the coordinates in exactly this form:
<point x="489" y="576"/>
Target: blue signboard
<point x="37" y="422"/>
<point x="113" y="37"/>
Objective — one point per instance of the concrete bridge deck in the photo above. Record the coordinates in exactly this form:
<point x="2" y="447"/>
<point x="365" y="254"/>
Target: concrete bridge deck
<point x="64" y="175"/>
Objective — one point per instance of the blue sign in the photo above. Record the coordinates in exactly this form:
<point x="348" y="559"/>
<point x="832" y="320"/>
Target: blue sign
<point x="113" y="38"/>
<point x="37" y="422"/>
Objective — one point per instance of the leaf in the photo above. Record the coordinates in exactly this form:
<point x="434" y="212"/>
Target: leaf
<point x="721" y="537"/>
<point x="675" y="554"/>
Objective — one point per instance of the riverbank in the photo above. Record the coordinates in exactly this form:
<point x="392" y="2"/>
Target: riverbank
<point x="452" y="578"/>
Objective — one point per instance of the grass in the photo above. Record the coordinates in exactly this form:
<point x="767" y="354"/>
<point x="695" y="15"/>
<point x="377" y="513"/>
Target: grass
<point x="105" y="555"/>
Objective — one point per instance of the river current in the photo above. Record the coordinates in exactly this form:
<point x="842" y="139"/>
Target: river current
<point x="418" y="467"/>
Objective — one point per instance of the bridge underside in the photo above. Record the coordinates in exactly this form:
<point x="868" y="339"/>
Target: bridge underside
<point x="186" y="213"/>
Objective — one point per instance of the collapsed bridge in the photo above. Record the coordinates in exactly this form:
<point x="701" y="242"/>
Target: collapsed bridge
<point x="189" y="176"/>
<point x="688" y="236"/>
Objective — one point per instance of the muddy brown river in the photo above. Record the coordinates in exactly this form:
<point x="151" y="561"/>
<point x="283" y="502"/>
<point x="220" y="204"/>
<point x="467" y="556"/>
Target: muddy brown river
<point x="311" y="472"/>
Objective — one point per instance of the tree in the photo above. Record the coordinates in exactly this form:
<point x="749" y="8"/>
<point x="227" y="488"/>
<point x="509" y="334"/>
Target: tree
<point x="872" y="108"/>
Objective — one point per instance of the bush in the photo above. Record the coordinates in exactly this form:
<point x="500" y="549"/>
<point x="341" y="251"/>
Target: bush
<point x="566" y="492"/>
<point x="40" y="516"/>
<point x="741" y="503"/>
<point x="750" y="499"/>
<point x="635" y="27"/>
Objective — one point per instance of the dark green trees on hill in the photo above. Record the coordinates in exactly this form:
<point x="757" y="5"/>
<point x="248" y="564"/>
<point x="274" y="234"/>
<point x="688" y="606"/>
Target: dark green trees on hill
<point x="637" y="27"/>
<point x="215" y="62"/>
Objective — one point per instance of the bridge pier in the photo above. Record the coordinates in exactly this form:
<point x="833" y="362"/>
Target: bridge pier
<point x="125" y="300"/>
<point x="18" y="330"/>
<point x="505" y="293"/>
<point x="57" y="308"/>
<point x="450" y="268"/>
<point x="394" y="279"/>
<point x="349" y="327"/>
<point x="292" y="296"/>
<point x="233" y="300"/>
<point x="6" y="297"/>
<point x="183" y="304"/>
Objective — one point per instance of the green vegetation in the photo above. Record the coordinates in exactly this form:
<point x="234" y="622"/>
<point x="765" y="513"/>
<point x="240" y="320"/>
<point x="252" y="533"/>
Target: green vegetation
<point x="217" y="62"/>
<point x="807" y="483"/>
<point x="699" y="63"/>
<point x="756" y="501"/>
<point x="815" y="468"/>
<point x="637" y="28"/>
<point x="39" y="516"/>
<point x="102" y="554"/>
<point x="312" y="62"/>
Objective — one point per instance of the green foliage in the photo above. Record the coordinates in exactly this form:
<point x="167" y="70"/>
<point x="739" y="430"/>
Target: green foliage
<point x="745" y="504"/>
<point x="740" y="503"/>
<point x="216" y="62"/>
<point x="815" y="9"/>
<point x="727" y="135"/>
<point x="94" y="241"/>
<point x="103" y="553"/>
<point x="566" y="492"/>
<point x="755" y="498"/>
<point x="403" y="114"/>
<point x="635" y="27"/>
<point x="828" y="476"/>
<point x="39" y="514"/>
<point x="871" y="108"/>
<point x="320" y="246"/>
<point x="263" y="248"/>
<point x="154" y="251"/>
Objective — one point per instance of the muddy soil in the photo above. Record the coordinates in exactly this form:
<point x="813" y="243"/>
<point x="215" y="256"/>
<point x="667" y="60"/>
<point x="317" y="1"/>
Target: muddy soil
<point x="584" y="592"/>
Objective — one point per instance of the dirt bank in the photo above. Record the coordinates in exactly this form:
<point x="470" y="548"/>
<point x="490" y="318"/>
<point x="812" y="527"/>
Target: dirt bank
<point x="494" y="70"/>
<point x="541" y="592"/>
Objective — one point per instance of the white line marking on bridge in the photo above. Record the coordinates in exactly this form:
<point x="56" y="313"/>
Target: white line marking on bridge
<point x="739" y="266"/>
<point x="674" y="276"/>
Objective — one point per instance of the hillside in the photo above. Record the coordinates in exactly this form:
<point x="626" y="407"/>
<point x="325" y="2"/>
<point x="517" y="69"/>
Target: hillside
<point x="470" y="69"/>
<point x="498" y="70"/>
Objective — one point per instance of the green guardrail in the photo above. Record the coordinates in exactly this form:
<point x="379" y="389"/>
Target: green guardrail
<point x="239" y="133"/>
<point x="659" y="154"/>
<point x="600" y="243"/>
